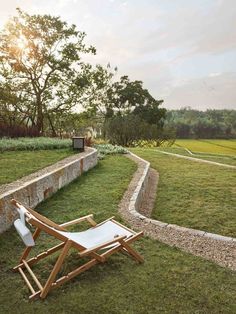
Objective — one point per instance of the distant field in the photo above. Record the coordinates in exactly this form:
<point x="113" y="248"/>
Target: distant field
<point x="224" y="147"/>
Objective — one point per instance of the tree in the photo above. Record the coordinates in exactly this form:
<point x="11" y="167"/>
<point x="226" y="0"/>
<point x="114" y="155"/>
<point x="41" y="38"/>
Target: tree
<point x="132" y="113"/>
<point x="190" y="123"/>
<point x="125" y="96"/>
<point x="127" y="129"/>
<point x="41" y="66"/>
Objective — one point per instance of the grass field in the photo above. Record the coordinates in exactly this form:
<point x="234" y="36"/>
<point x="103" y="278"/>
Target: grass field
<point x="195" y="195"/>
<point x="222" y="151"/>
<point x="224" y="147"/>
<point x="223" y="159"/>
<point x="16" y="164"/>
<point x="169" y="281"/>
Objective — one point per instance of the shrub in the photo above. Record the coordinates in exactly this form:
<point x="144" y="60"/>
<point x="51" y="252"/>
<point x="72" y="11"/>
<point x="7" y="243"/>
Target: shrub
<point x="130" y="129"/>
<point x="33" y="143"/>
<point x="16" y="131"/>
<point x="109" y="149"/>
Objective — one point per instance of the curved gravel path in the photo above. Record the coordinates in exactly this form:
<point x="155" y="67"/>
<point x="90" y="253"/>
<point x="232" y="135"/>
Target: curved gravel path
<point x="219" y="249"/>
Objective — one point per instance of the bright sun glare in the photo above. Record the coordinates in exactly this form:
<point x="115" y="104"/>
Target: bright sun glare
<point x="21" y="42"/>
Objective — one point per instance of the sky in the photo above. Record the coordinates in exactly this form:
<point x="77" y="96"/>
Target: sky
<point x="184" y="51"/>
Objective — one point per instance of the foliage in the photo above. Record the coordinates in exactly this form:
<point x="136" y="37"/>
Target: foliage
<point x="193" y="194"/>
<point x="169" y="281"/>
<point x="39" y="143"/>
<point x="17" y="164"/>
<point x="122" y="98"/>
<point x="190" y="123"/>
<point x="131" y="113"/>
<point x="108" y="149"/>
<point x="41" y="71"/>
<point x="15" y="130"/>
<point x="153" y="143"/>
<point x="99" y="140"/>
<point x="129" y="129"/>
<point x="127" y="96"/>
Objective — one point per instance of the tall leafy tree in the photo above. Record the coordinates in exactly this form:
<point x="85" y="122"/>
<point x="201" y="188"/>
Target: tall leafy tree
<point x="125" y="96"/>
<point x="41" y="66"/>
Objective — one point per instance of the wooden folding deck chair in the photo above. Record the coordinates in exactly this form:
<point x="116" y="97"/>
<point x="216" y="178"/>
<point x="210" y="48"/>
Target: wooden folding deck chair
<point x="98" y="243"/>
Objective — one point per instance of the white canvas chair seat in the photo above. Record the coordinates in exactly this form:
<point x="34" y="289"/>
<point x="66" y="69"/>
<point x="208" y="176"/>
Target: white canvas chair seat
<point x="97" y="243"/>
<point x="98" y="235"/>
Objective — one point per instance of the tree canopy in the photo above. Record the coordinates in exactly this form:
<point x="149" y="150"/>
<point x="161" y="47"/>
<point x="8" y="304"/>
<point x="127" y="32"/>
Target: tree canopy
<point x="43" y="81"/>
<point x="41" y="67"/>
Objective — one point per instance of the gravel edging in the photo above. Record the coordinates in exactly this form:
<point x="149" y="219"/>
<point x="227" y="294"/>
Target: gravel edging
<point x="137" y="204"/>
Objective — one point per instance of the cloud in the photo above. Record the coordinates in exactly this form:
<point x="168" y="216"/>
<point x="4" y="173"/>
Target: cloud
<point x="172" y="46"/>
<point x="196" y="29"/>
<point x="217" y="91"/>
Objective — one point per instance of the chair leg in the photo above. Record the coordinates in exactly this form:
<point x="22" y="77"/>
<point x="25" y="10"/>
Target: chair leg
<point x="132" y="252"/>
<point x="56" y="269"/>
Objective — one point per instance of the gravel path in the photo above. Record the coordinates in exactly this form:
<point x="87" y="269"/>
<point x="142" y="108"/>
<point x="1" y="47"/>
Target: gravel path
<point x="192" y="241"/>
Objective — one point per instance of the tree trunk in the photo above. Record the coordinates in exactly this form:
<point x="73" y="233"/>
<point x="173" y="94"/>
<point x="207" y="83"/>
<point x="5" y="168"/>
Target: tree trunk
<point x="39" y="117"/>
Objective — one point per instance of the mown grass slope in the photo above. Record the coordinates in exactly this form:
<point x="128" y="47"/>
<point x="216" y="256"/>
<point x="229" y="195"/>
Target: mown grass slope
<point x="193" y="194"/>
<point x="169" y="281"/>
<point x="16" y="164"/>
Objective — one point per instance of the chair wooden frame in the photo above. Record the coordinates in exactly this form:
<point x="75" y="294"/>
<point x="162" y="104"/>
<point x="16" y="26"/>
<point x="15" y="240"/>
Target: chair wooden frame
<point x="41" y="223"/>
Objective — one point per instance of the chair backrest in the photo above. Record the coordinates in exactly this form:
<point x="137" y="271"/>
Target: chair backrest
<point x="24" y="233"/>
<point x="36" y="219"/>
<point x="21" y="228"/>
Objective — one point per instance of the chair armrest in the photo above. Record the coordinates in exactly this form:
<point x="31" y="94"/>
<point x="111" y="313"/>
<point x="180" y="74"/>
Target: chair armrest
<point x="89" y="218"/>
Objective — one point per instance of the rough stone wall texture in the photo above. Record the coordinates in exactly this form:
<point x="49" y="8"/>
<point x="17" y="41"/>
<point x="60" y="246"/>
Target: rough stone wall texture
<point x="42" y="186"/>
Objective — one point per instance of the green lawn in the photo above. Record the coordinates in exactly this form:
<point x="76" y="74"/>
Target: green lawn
<point x="192" y="194"/>
<point x="16" y="164"/>
<point x="223" y="159"/>
<point x="170" y="281"/>
<point x="225" y="147"/>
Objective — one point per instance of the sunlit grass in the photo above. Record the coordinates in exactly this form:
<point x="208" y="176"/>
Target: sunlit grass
<point x="225" y="147"/>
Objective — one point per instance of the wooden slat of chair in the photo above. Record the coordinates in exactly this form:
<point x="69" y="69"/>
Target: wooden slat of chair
<point x="40" y="256"/>
<point x="32" y="275"/>
<point x="56" y="269"/>
<point x="26" y="280"/>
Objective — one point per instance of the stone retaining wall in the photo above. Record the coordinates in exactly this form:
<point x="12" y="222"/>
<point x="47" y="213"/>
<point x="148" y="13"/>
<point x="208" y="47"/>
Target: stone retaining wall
<point x="33" y="189"/>
<point x="220" y="249"/>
